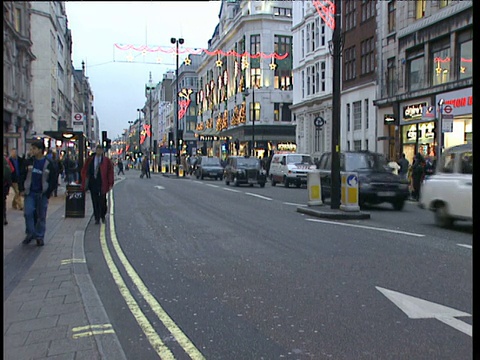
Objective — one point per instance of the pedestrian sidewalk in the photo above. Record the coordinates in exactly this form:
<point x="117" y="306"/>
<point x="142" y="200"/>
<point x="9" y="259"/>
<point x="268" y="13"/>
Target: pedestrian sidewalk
<point x="51" y="307"/>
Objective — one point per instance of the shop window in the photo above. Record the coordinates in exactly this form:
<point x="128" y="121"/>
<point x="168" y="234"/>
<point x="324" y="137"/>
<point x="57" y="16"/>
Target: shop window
<point x="416" y="71"/>
<point x="465" y="61"/>
<point x="444" y="3"/>
<point x="255" y="78"/>
<point x="420" y="9"/>
<point x="391" y="16"/>
<point x="441" y="62"/>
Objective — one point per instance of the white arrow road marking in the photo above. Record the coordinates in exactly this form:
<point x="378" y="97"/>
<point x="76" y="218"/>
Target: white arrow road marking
<point x="367" y="227"/>
<point x="160" y="187"/>
<point x="259" y="196"/>
<point x="467" y="246"/>
<point x="416" y="308"/>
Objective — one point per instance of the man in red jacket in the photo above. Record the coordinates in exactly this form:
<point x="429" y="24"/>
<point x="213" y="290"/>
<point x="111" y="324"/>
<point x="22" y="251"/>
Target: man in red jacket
<point x="98" y="177"/>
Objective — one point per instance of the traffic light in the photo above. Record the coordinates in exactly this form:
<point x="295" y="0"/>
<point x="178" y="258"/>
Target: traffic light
<point x="108" y="144"/>
<point x="104" y="139"/>
<point x="170" y="138"/>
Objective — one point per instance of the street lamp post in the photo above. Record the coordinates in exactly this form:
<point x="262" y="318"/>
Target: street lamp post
<point x="246" y="93"/>
<point x="149" y="89"/>
<point x="139" y="129"/>
<point x="176" y="42"/>
<point x="441" y="102"/>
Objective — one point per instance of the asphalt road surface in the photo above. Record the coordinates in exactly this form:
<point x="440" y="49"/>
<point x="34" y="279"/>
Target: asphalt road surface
<point x="195" y="269"/>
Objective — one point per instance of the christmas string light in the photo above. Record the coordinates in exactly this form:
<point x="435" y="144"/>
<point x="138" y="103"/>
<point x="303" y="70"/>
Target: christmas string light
<point x="144" y="49"/>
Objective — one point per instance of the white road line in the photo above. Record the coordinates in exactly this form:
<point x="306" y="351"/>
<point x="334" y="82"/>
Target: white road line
<point x="211" y="185"/>
<point x="293" y="204"/>
<point x="259" y="196"/>
<point x="467" y="246"/>
<point x="367" y="227"/>
<point x="232" y="190"/>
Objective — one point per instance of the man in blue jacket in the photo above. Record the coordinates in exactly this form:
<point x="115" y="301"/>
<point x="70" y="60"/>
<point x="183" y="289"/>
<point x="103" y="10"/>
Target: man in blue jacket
<point x="37" y="182"/>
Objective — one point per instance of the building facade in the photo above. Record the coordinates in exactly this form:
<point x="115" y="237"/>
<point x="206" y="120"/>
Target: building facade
<point x="245" y="81"/>
<point x="426" y="82"/>
<point x="17" y="76"/>
<point x="312" y="88"/>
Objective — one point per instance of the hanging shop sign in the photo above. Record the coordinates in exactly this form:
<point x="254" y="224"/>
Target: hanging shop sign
<point x="413" y="111"/>
<point x="389" y="119"/>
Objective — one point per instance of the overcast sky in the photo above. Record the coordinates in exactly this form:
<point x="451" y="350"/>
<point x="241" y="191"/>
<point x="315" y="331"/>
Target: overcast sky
<point x="118" y="85"/>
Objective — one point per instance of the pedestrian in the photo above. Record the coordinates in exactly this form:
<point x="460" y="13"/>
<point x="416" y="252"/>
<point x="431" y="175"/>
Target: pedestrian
<point x="8" y="170"/>
<point x="37" y="182"/>
<point x="98" y="177"/>
<point x="52" y="155"/>
<point x="418" y="174"/>
<point x="394" y="166"/>
<point x="404" y="164"/>
<point x="145" y="168"/>
<point x="120" y="167"/>
<point x="71" y="168"/>
<point x="17" y="202"/>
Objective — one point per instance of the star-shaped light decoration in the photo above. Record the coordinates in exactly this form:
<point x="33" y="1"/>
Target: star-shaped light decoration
<point x="438" y="70"/>
<point x="463" y="69"/>
<point x="245" y="63"/>
<point x="188" y="61"/>
<point x="219" y="63"/>
<point x="130" y="57"/>
<point x="272" y="65"/>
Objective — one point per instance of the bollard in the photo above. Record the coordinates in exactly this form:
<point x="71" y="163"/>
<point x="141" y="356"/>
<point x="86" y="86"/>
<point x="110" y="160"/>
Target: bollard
<point x="349" y="200"/>
<point x="314" y="188"/>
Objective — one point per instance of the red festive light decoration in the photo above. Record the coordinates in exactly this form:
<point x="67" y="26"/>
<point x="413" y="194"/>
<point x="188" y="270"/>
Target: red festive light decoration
<point x="326" y="10"/>
<point x="171" y="50"/>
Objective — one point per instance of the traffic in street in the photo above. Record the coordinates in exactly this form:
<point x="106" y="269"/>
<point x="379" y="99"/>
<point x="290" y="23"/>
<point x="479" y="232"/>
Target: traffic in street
<point x="190" y="269"/>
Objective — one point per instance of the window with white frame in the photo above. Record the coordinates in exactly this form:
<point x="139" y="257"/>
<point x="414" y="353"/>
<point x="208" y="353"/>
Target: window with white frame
<point x="348" y="117"/>
<point x="357" y="115"/>
<point x="308" y="37"/>
<point x="308" y="80"/>
<point x="323" y="75"/>
<point x="357" y="145"/>
<point x="365" y="110"/>
<point x="303" y="84"/>
<point x="317" y="77"/>
<point x="312" y="82"/>
<point x="303" y="43"/>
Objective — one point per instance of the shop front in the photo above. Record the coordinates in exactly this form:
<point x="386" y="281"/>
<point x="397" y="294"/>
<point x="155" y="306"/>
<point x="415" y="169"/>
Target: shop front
<point x="455" y="116"/>
<point x="418" y="128"/>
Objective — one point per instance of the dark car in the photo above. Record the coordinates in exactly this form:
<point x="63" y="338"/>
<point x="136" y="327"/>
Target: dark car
<point x="244" y="170"/>
<point x="208" y="167"/>
<point x="376" y="182"/>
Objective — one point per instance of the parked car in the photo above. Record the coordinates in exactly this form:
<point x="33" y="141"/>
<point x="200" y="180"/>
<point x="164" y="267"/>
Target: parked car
<point x="209" y="167"/>
<point x="290" y="168"/>
<point x="376" y="181"/>
<point x="244" y="170"/>
<point x="448" y="193"/>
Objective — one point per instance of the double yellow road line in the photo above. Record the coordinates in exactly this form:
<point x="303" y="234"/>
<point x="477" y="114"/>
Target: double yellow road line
<point x="162" y="350"/>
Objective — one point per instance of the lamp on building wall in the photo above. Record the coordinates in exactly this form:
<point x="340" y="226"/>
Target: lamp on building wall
<point x="176" y="42"/>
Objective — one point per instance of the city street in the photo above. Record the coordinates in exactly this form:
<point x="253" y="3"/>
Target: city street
<point x="189" y="268"/>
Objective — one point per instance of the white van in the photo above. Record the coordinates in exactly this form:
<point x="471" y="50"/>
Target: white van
<point x="448" y="192"/>
<point x="290" y="168"/>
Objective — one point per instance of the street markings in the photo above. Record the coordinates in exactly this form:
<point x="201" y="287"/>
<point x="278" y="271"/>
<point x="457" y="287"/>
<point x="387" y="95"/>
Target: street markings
<point x="89" y="330"/>
<point x="464" y="245"/>
<point x="293" y="204"/>
<point x="167" y="321"/>
<point x="232" y="190"/>
<point x="162" y="350"/>
<point x="71" y="261"/>
<point x="416" y="308"/>
<point x="159" y="187"/>
<point x="259" y="196"/>
<point x="367" y="227"/>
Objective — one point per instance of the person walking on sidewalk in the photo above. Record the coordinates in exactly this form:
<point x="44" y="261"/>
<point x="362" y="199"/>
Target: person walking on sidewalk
<point x="38" y="179"/>
<point x="145" y="168"/>
<point x="8" y="170"/>
<point x="17" y="202"/>
<point x="120" y="167"/>
<point x="98" y="176"/>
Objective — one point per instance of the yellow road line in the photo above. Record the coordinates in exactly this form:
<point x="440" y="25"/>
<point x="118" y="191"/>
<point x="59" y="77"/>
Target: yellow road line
<point x="181" y="338"/>
<point x="162" y="350"/>
<point x="88" y="327"/>
<point x="90" y="333"/>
